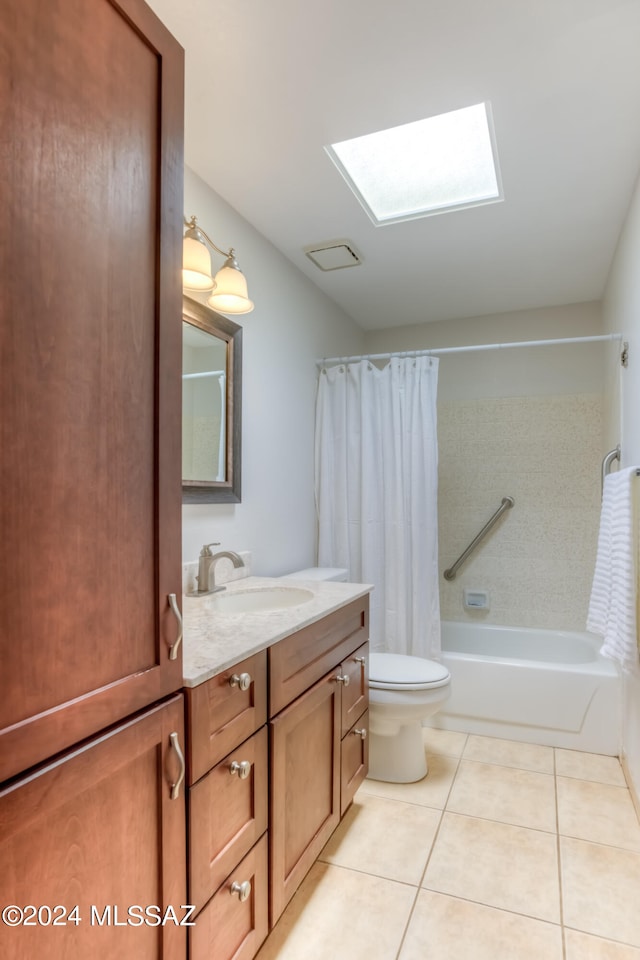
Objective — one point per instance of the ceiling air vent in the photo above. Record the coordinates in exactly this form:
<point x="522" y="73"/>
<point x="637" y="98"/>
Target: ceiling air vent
<point x="334" y="255"/>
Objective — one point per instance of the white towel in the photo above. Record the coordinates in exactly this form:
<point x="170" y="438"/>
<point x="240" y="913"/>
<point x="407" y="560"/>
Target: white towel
<point x="612" y="609"/>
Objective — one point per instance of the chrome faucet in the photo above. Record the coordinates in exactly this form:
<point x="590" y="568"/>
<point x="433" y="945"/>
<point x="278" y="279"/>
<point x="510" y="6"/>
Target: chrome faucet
<point x="206" y="567"/>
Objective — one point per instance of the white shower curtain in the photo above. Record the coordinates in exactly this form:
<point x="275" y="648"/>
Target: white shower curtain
<point x="376" y="493"/>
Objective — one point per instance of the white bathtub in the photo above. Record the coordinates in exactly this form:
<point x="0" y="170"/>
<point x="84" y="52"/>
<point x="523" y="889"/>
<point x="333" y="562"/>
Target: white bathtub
<point x="538" y="686"/>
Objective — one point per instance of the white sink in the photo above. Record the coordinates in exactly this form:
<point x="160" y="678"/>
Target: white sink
<point x="260" y="599"/>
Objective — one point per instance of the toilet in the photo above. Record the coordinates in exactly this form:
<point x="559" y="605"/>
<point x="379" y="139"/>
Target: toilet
<point x="403" y="691"/>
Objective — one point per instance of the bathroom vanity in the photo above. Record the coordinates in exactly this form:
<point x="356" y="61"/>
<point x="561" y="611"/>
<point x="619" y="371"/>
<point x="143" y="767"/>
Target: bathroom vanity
<point x="277" y="735"/>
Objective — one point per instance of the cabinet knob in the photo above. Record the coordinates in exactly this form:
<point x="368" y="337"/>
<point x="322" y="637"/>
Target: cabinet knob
<point x="242" y="768"/>
<point x="242" y="681"/>
<point x="361" y="733"/>
<point x="346" y="680"/>
<point x="242" y="889"/>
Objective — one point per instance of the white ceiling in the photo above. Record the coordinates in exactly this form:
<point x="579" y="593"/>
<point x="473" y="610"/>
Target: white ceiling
<point x="270" y="82"/>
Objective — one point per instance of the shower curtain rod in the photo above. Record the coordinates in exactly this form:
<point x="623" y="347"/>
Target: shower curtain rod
<point x="439" y="351"/>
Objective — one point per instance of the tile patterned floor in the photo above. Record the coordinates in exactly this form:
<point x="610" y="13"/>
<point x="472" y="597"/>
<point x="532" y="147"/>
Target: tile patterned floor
<point x="506" y="851"/>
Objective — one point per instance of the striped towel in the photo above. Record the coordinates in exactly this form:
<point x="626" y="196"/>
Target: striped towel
<point x="612" y="608"/>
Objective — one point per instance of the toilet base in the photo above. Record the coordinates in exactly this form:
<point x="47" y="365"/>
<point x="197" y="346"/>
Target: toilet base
<point x="400" y="758"/>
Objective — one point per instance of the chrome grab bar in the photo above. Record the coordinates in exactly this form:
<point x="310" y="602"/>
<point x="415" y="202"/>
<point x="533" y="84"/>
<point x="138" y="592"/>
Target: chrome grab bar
<point x="606" y="463"/>
<point x="507" y="503"/>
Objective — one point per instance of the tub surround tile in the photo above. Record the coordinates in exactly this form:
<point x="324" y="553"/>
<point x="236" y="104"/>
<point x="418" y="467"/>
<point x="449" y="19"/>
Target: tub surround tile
<point x="444" y="928"/>
<point x="600" y="890"/>
<point x="589" y="766"/>
<point x="582" y="946"/>
<point x="431" y="791"/>
<point x="545" y="454"/>
<point x="384" y="837"/>
<point x="330" y="918"/>
<point x="525" y="883"/>
<point x="508" y="753"/>
<point x="598" y="812"/>
<point x="492" y="792"/>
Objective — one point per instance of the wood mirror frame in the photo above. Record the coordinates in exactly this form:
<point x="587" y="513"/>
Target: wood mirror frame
<point x="229" y="489"/>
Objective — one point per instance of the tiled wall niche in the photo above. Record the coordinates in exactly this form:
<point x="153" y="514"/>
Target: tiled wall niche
<point x="545" y="451"/>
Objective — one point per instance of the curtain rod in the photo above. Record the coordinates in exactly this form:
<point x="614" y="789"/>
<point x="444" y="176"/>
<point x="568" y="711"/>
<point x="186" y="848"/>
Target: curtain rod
<point x="439" y="351"/>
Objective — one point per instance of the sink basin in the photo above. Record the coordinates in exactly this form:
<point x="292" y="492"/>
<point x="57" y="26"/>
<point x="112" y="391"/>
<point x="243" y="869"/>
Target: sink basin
<point x="260" y="599"/>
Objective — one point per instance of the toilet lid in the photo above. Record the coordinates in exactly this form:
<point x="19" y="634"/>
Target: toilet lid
<point x="389" y="670"/>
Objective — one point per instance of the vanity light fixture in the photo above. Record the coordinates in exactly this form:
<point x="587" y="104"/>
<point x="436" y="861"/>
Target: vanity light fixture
<point x="229" y="288"/>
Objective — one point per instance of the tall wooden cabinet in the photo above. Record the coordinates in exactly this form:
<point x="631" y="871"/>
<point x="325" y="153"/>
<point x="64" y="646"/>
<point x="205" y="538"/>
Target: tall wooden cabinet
<point x="91" y="170"/>
<point x="91" y="174"/>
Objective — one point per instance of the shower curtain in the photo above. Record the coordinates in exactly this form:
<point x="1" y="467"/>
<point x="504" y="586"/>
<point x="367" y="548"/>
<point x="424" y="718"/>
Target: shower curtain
<point x="376" y="493"/>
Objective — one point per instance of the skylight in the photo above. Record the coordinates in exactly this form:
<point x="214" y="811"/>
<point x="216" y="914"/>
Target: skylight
<point x="422" y="168"/>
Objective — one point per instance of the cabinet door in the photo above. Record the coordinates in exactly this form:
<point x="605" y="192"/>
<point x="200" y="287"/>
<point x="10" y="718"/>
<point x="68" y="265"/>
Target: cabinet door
<point x="98" y="829"/>
<point x="305" y="786"/>
<point x="90" y="305"/>
<point x="227" y="814"/>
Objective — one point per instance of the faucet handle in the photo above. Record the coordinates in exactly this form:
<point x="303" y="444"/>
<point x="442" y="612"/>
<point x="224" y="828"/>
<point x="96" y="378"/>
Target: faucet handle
<point x="206" y="550"/>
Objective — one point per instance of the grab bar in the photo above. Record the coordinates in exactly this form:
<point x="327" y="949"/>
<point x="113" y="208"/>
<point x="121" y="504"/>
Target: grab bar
<point x="507" y="503"/>
<point x="606" y="463"/>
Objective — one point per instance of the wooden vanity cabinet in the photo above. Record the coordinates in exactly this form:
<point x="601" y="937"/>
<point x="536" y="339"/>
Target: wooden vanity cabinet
<point x="318" y="697"/>
<point x="228" y="797"/>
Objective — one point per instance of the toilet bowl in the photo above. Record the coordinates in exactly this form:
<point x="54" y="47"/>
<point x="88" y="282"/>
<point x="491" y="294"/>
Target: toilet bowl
<point x="403" y="691"/>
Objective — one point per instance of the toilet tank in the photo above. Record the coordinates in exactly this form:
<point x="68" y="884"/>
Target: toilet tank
<point x="319" y="573"/>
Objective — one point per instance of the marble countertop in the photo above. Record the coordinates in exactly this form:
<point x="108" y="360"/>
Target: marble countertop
<point x="214" y="641"/>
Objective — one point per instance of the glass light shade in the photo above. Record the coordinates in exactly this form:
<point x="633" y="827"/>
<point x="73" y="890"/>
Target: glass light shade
<point x="196" y="265"/>
<point x="231" y="295"/>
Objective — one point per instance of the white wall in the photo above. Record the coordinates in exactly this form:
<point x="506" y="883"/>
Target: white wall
<point x="520" y="372"/>
<point x="621" y="307"/>
<point x="293" y="323"/>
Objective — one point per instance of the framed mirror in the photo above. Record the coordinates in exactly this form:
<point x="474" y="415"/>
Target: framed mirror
<point x="211" y="405"/>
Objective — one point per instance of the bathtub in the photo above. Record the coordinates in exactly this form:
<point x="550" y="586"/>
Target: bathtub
<point x="539" y="686"/>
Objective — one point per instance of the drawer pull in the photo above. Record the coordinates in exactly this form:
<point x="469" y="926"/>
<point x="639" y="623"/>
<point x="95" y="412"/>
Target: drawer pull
<point x="242" y="681"/>
<point x="242" y="768"/>
<point x="343" y="679"/>
<point x="175" y="787"/>
<point x="175" y="646"/>
<point x="361" y="660"/>
<point x="242" y="889"/>
<point x="361" y="733"/>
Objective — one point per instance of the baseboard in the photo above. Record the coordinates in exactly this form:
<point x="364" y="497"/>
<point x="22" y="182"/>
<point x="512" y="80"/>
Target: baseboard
<point x="630" y="784"/>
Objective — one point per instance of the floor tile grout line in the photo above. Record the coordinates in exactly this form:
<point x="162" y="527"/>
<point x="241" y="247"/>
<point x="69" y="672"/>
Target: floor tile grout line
<point x="559" y="856"/>
<point x="367" y="873"/>
<point x="492" y="906"/>
<point x="433" y="843"/>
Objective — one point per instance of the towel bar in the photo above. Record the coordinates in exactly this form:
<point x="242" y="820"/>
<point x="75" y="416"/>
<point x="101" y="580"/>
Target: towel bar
<point x="607" y="461"/>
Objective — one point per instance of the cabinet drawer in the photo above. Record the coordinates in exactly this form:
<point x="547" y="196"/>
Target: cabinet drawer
<point x="227" y="815"/>
<point x="300" y="660"/>
<point x="354" y="760"/>
<point x="229" y="927"/>
<point x="220" y="715"/>
<point x="355" y="694"/>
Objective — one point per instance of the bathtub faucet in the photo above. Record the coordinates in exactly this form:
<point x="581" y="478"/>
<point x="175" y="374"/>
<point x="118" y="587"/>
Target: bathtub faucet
<point x="206" y="567"/>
